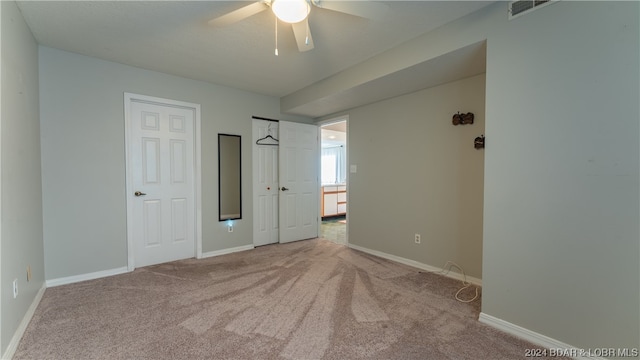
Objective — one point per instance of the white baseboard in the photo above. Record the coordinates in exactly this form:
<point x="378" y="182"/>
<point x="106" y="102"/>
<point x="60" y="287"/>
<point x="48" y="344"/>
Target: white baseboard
<point x="531" y="336"/>
<point x="125" y="269"/>
<point x="227" y="251"/>
<point x="84" y="277"/>
<point x="452" y="274"/>
<point x="17" y="336"/>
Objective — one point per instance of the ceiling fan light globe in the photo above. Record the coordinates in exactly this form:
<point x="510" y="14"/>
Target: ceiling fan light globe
<point x="291" y="11"/>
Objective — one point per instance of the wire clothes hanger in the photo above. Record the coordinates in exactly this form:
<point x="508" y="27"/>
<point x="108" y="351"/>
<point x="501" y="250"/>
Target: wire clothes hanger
<point x="268" y="140"/>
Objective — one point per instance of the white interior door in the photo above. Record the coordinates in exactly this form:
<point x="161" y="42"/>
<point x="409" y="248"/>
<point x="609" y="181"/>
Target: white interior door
<point x="265" y="183"/>
<point x="161" y="191"/>
<point x="298" y="181"/>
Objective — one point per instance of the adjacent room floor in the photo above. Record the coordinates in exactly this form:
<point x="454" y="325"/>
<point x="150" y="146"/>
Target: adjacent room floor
<point x="334" y="229"/>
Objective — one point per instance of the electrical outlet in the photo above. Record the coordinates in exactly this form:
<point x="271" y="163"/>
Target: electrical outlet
<point x="417" y="238"/>
<point x="15" y="288"/>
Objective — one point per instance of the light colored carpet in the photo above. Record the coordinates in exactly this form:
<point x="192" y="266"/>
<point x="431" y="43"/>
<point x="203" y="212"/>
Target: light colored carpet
<point x="305" y="300"/>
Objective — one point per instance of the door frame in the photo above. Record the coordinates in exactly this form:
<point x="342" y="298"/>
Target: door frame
<point x="197" y="170"/>
<point x="320" y="124"/>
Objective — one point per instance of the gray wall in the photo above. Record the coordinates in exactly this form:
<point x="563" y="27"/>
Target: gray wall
<point x="561" y="237"/>
<point x="560" y="240"/>
<point x="418" y="173"/>
<point x="21" y="190"/>
<point x="83" y="156"/>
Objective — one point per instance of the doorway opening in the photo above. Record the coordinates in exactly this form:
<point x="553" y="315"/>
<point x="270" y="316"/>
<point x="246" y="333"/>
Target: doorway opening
<point x="334" y="180"/>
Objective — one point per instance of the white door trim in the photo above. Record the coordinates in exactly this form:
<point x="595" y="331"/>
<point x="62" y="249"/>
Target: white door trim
<point x="128" y="99"/>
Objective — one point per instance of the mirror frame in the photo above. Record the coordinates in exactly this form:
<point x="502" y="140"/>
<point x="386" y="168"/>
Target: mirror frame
<point x="223" y="166"/>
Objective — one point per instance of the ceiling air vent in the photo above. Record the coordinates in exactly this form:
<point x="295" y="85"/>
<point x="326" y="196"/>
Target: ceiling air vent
<point x="520" y="7"/>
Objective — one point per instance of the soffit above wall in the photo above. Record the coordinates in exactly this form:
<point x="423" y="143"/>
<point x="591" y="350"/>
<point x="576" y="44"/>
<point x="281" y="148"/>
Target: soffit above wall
<point x="459" y="64"/>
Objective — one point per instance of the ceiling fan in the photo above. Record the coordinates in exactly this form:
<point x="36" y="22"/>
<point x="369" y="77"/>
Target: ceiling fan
<point x="296" y="13"/>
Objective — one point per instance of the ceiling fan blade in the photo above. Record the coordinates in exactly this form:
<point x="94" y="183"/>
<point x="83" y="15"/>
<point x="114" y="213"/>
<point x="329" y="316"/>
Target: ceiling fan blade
<point x="302" y="34"/>
<point x="240" y="14"/>
<point x="365" y="9"/>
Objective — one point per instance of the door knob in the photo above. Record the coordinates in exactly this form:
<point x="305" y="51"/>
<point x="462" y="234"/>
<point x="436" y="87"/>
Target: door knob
<point x="284" y="188"/>
<point x="139" y="193"/>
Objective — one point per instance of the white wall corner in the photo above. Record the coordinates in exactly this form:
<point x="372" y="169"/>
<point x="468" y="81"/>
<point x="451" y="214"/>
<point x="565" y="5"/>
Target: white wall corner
<point x="85" y="277"/>
<point x="227" y="251"/>
<point x="452" y="274"/>
<point x="17" y="336"/>
<point x="532" y="336"/>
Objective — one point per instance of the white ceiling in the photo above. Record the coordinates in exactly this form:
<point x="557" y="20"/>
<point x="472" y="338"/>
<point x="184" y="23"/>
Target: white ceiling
<point x="173" y="37"/>
<point x="334" y="134"/>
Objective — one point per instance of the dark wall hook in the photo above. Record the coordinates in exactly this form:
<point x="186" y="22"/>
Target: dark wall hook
<point x="462" y="119"/>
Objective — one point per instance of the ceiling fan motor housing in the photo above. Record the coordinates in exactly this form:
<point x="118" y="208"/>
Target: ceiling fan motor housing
<point x="291" y="11"/>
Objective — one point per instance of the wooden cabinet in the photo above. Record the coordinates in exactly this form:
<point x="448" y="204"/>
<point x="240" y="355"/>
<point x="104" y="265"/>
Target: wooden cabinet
<point x="334" y="200"/>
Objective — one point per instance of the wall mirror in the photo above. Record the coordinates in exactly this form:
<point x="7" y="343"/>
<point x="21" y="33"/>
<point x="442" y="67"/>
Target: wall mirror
<point x="229" y="177"/>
